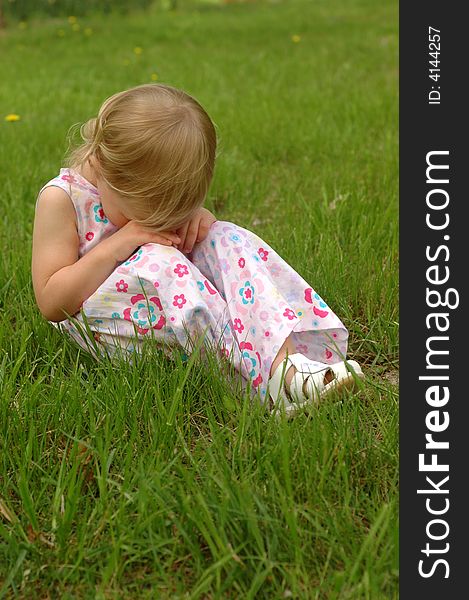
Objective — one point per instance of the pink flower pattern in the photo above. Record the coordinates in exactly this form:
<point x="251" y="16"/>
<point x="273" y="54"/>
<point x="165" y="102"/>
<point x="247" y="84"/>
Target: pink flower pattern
<point x="68" y="178"/>
<point x="121" y="286"/>
<point x="179" y="300"/>
<point x="289" y="314"/>
<point x="181" y="270"/>
<point x="238" y="325"/>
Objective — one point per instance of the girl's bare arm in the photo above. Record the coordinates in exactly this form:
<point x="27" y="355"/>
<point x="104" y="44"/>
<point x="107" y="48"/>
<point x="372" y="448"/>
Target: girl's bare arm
<point x="62" y="281"/>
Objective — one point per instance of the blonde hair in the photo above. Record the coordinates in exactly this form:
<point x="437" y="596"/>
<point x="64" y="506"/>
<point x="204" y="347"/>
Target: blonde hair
<point x="156" y="147"/>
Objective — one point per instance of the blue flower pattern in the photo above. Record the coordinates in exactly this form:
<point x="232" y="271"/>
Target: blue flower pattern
<point x="98" y="218"/>
<point x="247" y="293"/>
<point x="322" y="304"/>
<point x="253" y="363"/>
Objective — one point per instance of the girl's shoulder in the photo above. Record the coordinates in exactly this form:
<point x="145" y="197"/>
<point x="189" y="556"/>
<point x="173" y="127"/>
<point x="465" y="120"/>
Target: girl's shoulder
<point x="73" y="183"/>
<point x="92" y="224"/>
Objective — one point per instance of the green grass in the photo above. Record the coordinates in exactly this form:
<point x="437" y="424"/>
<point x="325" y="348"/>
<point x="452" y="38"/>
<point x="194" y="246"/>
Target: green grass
<point x="159" y="480"/>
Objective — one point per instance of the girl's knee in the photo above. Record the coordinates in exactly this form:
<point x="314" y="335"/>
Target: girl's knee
<point x="154" y="249"/>
<point x="216" y="225"/>
<point x="221" y="225"/>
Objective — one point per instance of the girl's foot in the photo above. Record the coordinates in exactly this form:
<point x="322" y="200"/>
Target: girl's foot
<point x="307" y="381"/>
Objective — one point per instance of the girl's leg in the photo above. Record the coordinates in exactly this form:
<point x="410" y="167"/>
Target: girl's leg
<point x="287" y="346"/>
<point x="272" y="308"/>
<point x="159" y="293"/>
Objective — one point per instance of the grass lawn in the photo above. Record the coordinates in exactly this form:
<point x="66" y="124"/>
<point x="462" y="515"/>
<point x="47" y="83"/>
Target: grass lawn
<point x="158" y="480"/>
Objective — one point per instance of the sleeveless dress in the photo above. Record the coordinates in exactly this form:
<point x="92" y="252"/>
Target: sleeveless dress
<point x="233" y="289"/>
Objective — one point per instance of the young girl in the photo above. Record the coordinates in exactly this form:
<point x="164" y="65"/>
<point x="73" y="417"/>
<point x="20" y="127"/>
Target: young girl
<point x="122" y="243"/>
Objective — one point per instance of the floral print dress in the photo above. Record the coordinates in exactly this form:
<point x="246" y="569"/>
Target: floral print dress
<point x="233" y="289"/>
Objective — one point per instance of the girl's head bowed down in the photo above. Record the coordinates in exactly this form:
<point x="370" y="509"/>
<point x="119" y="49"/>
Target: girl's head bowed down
<point x="154" y="146"/>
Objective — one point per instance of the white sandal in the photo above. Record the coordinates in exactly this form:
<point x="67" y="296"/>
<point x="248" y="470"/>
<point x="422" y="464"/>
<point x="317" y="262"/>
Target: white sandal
<point x="308" y="384"/>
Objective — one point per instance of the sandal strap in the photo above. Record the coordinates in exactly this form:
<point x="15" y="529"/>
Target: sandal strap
<point x="278" y="386"/>
<point x="311" y="372"/>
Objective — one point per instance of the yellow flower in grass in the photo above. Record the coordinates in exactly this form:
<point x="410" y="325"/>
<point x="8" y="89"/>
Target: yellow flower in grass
<point x="154" y="77"/>
<point x="72" y="20"/>
<point x="138" y="50"/>
<point x="76" y="27"/>
<point x="295" y="38"/>
<point x="22" y="25"/>
<point x="12" y="117"/>
<point x="88" y="31"/>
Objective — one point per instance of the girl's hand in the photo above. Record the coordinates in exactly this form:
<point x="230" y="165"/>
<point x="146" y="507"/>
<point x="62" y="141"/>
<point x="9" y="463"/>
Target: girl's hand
<point x="195" y="230"/>
<point x="123" y="242"/>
